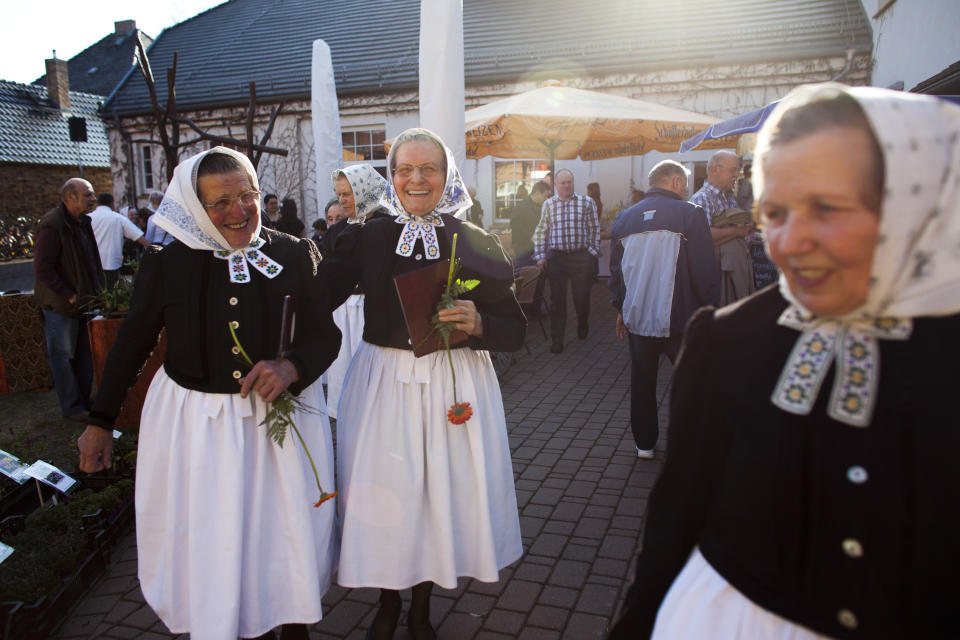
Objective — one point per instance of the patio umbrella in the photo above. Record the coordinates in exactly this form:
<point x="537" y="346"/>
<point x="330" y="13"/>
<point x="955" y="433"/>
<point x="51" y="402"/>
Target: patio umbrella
<point x="565" y="123"/>
<point x="746" y="123"/>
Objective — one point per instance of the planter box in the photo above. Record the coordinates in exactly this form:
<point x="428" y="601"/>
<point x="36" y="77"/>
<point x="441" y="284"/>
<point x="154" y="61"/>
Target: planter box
<point x="35" y="621"/>
<point x="103" y="333"/>
<point x="23" y="499"/>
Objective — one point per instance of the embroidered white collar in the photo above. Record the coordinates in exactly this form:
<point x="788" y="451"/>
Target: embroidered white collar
<point x="238" y="258"/>
<point x="853" y="345"/>
<point x="419" y="227"/>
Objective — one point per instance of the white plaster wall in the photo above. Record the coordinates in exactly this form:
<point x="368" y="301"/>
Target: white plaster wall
<point x="913" y="40"/>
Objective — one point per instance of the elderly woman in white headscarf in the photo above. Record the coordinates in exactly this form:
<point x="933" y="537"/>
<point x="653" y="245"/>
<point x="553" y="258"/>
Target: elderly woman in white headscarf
<point x="425" y="499"/>
<point x="810" y="488"/>
<point x="228" y="539"/>
<point x="358" y="188"/>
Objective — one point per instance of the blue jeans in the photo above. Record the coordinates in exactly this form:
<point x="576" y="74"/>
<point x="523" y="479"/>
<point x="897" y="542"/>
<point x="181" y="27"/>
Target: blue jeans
<point x="70" y="362"/>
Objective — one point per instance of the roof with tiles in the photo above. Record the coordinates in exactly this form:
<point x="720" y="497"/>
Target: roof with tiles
<point x="374" y="43"/>
<point x="34" y="131"/>
<point x="100" y="67"/>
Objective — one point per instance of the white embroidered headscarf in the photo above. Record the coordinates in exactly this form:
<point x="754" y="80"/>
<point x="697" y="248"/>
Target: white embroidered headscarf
<point x="916" y="261"/>
<point x="182" y="215"/>
<point x="367" y="186"/>
<point x="454" y="200"/>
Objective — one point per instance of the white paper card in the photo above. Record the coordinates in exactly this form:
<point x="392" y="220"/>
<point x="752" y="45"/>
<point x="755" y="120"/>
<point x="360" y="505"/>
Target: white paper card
<point x="5" y="551"/>
<point x="117" y="434"/>
<point x="49" y="474"/>
<point x="11" y="467"/>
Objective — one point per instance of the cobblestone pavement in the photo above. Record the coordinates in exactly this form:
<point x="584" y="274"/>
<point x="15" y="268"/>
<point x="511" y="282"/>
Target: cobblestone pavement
<point x="581" y="492"/>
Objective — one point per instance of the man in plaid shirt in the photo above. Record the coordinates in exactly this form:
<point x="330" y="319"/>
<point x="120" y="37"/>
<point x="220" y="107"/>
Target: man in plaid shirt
<point x="566" y="243"/>
<point x="716" y="194"/>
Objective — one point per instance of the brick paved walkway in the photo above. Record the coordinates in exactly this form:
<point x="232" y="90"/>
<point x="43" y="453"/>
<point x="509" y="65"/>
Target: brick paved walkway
<point x="581" y="492"/>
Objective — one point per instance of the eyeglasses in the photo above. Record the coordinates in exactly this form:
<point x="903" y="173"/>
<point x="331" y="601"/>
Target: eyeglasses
<point x="224" y="205"/>
<point x="426" y="170"/>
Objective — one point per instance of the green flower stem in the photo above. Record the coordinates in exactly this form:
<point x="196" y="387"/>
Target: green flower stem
<point x="303" y="444"/>
<point x="236" y="341"/>
<point x="452" y="373"/>
<point x="453" y="260"/>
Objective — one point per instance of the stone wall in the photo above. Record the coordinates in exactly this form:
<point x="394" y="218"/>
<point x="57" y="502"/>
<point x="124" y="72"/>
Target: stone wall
<point x="31" y="190"/>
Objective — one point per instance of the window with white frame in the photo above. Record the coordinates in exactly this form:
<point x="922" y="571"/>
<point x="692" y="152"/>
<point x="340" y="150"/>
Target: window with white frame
<point x="146" y="167"/>
<point x="366" y="146"/>
<point x="514" y="180"/>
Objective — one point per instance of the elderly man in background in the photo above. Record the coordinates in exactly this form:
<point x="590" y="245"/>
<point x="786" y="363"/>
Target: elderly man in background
<point x="155" y="234"/>
<point x="567" y="244"/>
<point x="66" y="267"/>
<point x="715" y="197"/>
<point x="110" y="228"/>
<point x="662" y="269"/>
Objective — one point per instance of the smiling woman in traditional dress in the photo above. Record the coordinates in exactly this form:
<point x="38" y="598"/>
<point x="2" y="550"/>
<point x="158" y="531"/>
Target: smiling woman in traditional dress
<point x="424" y="500"/>
<point x="810" y="488"/>
<point x="358" y="188"/>
<point x="229" y="542"/>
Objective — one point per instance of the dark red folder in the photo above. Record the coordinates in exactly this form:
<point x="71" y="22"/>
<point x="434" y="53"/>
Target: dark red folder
<point x="419" y="293"/>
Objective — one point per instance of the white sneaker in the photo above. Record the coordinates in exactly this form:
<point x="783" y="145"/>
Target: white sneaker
<point x="646" y="454"/>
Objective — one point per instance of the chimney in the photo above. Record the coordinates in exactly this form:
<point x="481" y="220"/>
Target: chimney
<point x="123" y="27"/>
<point x="58" y="82"/>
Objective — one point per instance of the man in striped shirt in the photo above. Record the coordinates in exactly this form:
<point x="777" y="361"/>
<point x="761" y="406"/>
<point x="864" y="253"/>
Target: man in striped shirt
<point x="567" y="244"/>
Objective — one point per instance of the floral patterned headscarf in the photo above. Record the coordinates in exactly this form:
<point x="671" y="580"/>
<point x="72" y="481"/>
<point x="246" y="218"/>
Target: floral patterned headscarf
<point x="182" y="215"/>
<point x="916" y="261"/>
<point x="368" y="186"/>
<point x="454" y="199"/>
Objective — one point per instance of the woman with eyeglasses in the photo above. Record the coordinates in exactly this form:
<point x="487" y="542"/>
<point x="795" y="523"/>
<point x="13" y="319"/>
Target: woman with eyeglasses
<point x="427" y="495"/>
<point x="228" y="539"/>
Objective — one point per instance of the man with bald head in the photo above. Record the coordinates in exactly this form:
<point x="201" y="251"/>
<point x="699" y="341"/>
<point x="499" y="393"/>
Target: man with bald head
<point x="733" y="254"/>
<point x="67" y="269"/>
<point x="566" y="243"/>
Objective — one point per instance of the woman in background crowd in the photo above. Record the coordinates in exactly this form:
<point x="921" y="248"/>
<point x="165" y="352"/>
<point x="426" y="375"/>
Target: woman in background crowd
<point x="289" y="221"/>
<point x="358" y="188"/>
<point x="810" y="489"/>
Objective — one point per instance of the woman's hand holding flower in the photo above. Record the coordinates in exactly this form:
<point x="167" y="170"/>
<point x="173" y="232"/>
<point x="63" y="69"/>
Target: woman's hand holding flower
<point x="269" y="378"/>
<point x="464" y="313"/>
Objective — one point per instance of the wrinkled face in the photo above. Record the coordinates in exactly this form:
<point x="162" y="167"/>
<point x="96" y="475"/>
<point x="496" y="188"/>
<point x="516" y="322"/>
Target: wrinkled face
<point x="564" y="184"/>
<point x="80" y="199"/>
<point x="232" y="205"/>
<point x="724" y="173"/>
<point x="418" y="176"/>
<point x="334" y="215"/>
<point x="820" y="233"/>
<point x="344" y="193"/>
<point x="132" y="214"/>
<point x="272" y="207"/>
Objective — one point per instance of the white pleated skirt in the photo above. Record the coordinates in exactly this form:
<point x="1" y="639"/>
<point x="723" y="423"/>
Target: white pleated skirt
<point x="423" y="499"/>
<point x="702" y="604"/>
<point x="228" y="539"/>
<point x="349" y="319"/>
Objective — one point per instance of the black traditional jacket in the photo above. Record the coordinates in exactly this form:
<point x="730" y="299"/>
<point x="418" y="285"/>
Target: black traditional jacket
<point x="189" y="293"/>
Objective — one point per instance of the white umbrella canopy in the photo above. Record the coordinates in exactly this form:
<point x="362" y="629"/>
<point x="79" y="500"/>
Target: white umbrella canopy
<point x="569" y="123"/>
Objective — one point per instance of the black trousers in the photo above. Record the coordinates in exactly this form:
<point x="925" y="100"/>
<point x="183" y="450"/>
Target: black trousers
<point x="579" y="268"/>
<point x="644" y="362"/>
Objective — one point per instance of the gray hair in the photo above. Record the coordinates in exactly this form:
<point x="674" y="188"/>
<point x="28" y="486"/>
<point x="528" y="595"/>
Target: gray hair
<point x="664" y="170"/>
<point x="417" y="134"/>
<point x="716" y="157"/>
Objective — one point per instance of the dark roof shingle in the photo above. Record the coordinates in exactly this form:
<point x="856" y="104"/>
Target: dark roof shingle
<point x="99" y="68"/>
<point x="374" y="43"/>
<point x="33" y="131"/>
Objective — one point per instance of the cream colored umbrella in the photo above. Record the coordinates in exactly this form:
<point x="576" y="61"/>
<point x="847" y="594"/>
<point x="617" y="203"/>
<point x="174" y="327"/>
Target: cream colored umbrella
<point x="565" y="123"/>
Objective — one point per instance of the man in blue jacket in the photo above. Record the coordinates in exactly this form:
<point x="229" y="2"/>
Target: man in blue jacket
<point x="662" y="269"/>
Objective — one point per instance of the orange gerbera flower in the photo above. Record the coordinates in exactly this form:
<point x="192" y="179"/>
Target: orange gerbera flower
<point x="324" y="497"/>
<point x="459" y="413"/>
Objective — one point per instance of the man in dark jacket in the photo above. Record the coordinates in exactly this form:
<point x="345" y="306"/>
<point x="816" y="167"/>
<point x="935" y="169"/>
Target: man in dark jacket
<point x="67" y="269"/>
<point x="662" y="269"/>
<point x="523" y="220"/>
